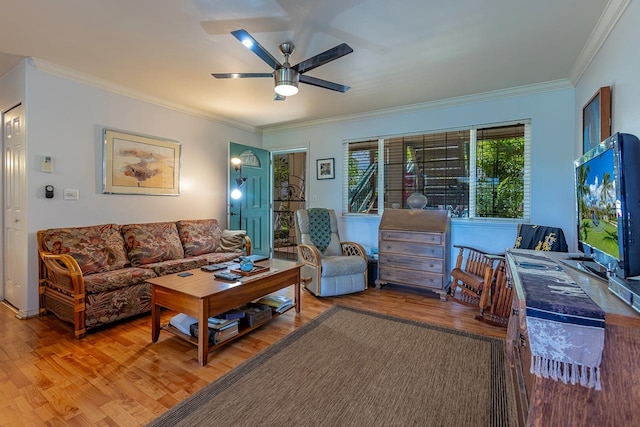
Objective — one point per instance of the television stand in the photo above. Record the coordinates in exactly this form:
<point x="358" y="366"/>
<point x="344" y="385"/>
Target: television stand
<point x="589" y="267"/>
<point x="627" y="290"/>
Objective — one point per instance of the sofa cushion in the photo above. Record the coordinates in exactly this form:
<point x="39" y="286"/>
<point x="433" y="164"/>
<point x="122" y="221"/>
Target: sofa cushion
<point x="152" y="242"/>
<point x="96" y="248"/>
<point x="116" y="279"/>
<point x="176" y="265"/>
<point x="200" y="236"/>
<point x="231" y="241"/>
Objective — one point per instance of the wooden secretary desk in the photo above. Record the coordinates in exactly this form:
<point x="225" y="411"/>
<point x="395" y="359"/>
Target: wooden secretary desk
<point x="413" y="249"/>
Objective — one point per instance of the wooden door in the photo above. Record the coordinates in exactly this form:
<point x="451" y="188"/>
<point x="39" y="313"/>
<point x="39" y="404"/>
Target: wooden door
<point x="15" y="240"/>
<point x="251" y="211"/>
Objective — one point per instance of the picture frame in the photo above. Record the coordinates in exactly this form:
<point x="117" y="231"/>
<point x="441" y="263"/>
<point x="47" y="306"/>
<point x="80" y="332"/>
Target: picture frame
<point x="138" y="164"/>
<point x="596" y="119"/>
<point x="325" y="168"/>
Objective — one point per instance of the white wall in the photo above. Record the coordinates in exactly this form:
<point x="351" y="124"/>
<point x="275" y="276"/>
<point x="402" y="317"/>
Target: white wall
<point x="617" y="64"/>
<point x="65" y="120"/>
<point x="551" y="114"/>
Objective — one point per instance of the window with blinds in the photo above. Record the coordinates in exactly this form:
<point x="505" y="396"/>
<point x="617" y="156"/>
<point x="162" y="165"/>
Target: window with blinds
<point x="475" y="172"/>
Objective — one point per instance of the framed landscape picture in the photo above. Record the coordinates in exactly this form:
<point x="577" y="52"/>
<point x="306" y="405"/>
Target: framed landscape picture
<point x="325" y="168"/>
<point x="596" y="119"/>
<point x="136" y="164"/>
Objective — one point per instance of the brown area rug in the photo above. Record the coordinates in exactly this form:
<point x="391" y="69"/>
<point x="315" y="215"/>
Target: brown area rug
<point x="349" y="367"/>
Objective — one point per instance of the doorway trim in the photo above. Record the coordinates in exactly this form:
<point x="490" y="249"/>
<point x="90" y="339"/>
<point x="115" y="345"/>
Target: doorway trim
<point x="272" y="213"/>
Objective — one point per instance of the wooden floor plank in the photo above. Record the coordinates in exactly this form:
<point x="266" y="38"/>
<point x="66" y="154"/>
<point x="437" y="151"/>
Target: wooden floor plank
<point x="117" y="376"/>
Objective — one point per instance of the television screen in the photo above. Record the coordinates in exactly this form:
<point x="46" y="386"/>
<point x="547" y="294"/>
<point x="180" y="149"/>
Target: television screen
<point x="598" y="206"/>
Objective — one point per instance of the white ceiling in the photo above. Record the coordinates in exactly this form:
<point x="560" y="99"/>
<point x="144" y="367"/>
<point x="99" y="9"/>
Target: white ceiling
<point x="405" y="51"/>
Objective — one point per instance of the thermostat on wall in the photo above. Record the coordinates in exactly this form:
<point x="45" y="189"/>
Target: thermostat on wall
<point x="47" y="164"/>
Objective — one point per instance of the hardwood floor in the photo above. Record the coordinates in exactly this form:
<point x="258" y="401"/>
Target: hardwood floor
<point x="117" y="376"/>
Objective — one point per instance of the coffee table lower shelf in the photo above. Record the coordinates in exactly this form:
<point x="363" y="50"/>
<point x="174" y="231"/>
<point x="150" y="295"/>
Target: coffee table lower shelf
<point x="241" y="332"/>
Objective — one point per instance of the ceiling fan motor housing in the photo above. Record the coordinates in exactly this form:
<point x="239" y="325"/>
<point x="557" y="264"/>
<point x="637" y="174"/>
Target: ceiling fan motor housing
<point x="286" y="80"/>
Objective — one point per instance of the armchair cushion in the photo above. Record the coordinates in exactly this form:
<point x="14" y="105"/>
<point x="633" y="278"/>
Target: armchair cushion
<point x="333" y="248"/>
<point x="342" y="265"/>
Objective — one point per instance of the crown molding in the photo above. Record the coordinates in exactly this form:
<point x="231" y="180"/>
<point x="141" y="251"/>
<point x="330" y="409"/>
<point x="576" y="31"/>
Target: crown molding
<point x="431" y="105"/>
<point x="50" y="68"/>
<point x="608" y="20"/>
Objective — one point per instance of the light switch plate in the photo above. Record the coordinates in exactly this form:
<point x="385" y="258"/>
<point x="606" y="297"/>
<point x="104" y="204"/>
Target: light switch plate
<point x="71" y="194"/>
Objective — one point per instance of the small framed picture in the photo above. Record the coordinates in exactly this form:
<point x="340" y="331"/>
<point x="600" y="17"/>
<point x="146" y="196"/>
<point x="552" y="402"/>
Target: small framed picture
<point x="325" y="168"/>
<point x="596" y="119"/>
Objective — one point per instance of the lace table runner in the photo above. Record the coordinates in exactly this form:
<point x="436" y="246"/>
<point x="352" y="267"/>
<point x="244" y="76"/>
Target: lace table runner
<point x="565" y="327"/>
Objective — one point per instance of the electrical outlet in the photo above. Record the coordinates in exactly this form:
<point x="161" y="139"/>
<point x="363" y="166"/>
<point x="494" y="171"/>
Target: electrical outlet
<point x="71" y="194"/>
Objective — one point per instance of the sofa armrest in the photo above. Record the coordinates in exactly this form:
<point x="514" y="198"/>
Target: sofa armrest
<point x="61" y="280"/>
<point x="247" y="245"/>
<point x="61" y="271"/>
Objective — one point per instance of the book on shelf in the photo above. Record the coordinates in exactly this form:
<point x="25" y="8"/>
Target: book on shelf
<point x="182" y="322"/>
<point x="279" y="303"/>
<point x="231" y="314"/>
<point x="284" y="307"/>
<point x="216" y="336"/>
<point x="221" y="324"/>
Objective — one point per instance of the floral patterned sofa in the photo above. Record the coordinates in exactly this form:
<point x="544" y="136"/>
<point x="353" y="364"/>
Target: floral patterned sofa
<point x="95" y="275"/>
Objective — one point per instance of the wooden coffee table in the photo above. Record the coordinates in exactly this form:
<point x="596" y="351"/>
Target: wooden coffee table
<point x="202" y="296"/>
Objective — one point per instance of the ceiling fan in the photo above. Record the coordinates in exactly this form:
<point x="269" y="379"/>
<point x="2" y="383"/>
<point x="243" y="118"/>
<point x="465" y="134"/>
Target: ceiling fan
<point x="285" y="75"/>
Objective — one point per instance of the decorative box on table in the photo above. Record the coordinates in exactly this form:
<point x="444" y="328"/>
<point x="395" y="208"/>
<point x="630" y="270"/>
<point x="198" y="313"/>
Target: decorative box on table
<point x="255" y="314"/>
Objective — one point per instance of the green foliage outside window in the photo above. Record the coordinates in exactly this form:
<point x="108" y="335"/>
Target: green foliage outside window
<point x="500" y="174"/>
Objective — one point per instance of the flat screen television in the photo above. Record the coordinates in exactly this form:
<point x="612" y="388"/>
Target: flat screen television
<point x="607" y="183"/>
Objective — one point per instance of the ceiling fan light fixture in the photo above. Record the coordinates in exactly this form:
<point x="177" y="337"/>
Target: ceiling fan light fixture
<point x="286" y="81"/>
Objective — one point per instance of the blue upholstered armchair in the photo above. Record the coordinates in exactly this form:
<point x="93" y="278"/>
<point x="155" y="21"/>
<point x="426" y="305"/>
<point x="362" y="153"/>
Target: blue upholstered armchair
<point x="331" y="267"/>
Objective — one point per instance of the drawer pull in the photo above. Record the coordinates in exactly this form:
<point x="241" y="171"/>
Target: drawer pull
<point x="523" y="341"/>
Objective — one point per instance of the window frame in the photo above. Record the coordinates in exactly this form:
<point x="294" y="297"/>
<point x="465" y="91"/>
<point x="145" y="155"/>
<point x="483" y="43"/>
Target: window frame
<point x="473" y="181"/>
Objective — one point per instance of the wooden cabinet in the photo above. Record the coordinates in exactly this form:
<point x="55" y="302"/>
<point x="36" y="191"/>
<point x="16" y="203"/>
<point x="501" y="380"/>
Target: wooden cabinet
<point x="545" y="402"/>
<point x="413" y="248"/>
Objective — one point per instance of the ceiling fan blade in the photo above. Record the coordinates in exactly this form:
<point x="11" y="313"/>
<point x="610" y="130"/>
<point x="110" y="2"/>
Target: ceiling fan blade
<point x="322" y="58"/>
<point x="245" y="38"/>
<point x="240" y="75"/>
<point x="323" y="83"/>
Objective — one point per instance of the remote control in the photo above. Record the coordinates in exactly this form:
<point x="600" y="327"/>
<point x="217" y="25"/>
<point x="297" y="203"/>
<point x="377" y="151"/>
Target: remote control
<point x="226" y="275"/>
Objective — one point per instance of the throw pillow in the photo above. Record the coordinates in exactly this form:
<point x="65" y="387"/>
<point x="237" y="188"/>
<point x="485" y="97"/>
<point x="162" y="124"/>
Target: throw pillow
<point x="231" y="241"/>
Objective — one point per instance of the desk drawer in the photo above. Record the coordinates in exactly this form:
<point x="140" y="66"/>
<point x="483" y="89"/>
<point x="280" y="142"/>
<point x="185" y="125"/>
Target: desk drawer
<point x="410" y="236"/>
<point x="403" y="276"/>
<point x="433" y="265"/>
<point x="417" y="249"/>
